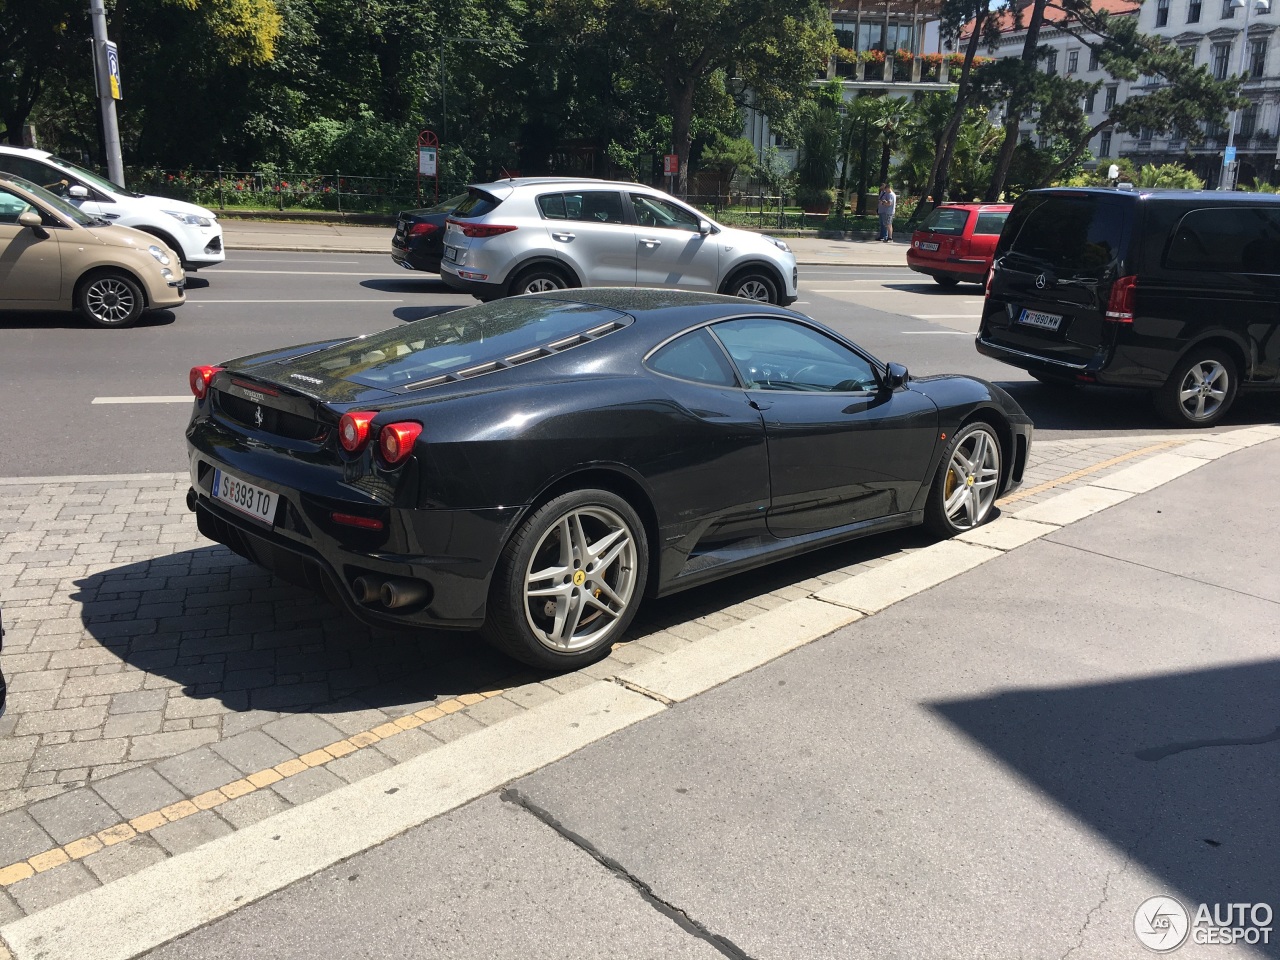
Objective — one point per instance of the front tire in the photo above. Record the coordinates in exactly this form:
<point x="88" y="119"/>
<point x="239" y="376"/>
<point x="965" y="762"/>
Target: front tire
<point x="110" y="299"/>
<point x="754" y="285"/>
<point x="569" y="581"/>
<point x="1200" y="390"/>
<point x="963" y="495"/>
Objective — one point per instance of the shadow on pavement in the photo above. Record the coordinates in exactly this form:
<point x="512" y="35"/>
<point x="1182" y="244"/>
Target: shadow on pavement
<point x="421" y="283"/>
<point x="410" y="314"/>
<point x="1179" y="770"/>
<point x="71" y="320"/>
<point x="196" y="283"/>
<point x="962" y="289"/>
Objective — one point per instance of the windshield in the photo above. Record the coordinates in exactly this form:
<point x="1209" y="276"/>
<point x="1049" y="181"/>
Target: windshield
<point x="106" y="186"/>
<point x="55" y="202"/>
<point x="501" y="333"/>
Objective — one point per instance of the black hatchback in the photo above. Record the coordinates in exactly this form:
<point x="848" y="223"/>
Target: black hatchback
<point x="1177" y="292"/>
<point x="418" y="243"/>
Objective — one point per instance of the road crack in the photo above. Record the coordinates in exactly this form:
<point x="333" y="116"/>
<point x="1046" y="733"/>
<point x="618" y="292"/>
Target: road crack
<point x="669" y="910"/>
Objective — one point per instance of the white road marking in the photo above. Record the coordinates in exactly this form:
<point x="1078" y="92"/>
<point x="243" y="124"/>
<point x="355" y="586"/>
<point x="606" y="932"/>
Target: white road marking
<point x="935" y="333"/>
<point x="326" y="273"/>
<point x="946" y="316"/>
<point x="349" y="263"/>
<point x="186" y="399"/>
<point x="863" y="292"/>
<point x="199" y="303"/>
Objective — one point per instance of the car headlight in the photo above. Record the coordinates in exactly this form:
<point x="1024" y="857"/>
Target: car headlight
<point x="161" y="257"/>
<point x="191" y="218"/>
<point x="779" y="244"/>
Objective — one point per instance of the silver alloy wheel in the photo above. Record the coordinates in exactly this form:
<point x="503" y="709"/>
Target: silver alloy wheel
<point x="754" y="290"/>
<point x="581" y="579"/>
<point x="1204" y="389"/>
<point x="973" y="477"/>
<point x="110" y="300"/>
<point x="541" y="285"/>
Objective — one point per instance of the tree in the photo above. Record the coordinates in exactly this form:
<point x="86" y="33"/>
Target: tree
<point x="37" y="39"/>
<point x="727" y="155"/>
<point x="1020" y="86"/>
<point x="772" y="46"/>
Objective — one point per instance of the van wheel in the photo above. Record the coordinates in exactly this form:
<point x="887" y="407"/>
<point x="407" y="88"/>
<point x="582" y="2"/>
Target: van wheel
<point x="110" y="299"/>
<point x="754" y="285"/>
<point x="538" y="280"/>
<point x="945" y="281"/>
<point x="569" y="581"/>
<point x="1200" y="391"/>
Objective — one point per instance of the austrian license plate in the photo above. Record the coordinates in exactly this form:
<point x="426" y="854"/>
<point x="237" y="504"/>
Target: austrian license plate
<point x="243" y="496"/>
<point x="451" y="254"/>
<point x="1045" y="321"/>
<point x="928" y="246"/>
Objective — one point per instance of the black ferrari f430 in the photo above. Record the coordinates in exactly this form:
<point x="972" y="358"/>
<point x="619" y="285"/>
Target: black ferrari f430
<point x="535" y="466"/>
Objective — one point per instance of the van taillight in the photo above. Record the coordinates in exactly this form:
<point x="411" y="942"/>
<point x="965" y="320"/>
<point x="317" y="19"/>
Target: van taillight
<point x="1120" y="303"/>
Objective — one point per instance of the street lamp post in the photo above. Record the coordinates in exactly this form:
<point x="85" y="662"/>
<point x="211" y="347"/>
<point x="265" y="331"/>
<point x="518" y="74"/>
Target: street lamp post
<point x="1229" y="163"/>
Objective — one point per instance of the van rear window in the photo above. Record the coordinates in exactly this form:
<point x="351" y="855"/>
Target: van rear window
<point x="1071" y="235"/>
<point x="947" y="221"/>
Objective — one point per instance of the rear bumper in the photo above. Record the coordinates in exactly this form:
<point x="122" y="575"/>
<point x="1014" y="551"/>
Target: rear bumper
<point x="415" y="259"/>
<point x="481" y="289"/>
<point x="957" y="268"/>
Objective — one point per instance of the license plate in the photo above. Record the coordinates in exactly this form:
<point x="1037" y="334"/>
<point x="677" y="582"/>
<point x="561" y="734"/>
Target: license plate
<point x="1045" y="321"/>
<point x="928" y="246"/>
<point x="451" y="254"/>
<point x="243" y="496"/>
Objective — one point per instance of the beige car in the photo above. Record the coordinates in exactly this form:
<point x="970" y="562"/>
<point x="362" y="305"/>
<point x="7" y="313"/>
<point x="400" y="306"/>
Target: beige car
<point x="53" y="257"/>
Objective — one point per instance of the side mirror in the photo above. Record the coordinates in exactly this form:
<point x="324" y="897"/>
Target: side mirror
<point x="29" y="218"/>
<point x="895" y="376"/>
<point x="77" y="192"/>
<point x="704" y="227"/>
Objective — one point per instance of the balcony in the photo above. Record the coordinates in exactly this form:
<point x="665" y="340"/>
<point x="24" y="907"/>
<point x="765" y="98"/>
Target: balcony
<point x="871" y="69"/>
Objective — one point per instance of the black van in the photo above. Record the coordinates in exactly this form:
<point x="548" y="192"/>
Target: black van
<point x="1177" y="292"/>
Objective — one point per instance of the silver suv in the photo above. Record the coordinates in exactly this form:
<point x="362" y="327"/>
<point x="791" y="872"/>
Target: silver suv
<point x="536" y="234"/>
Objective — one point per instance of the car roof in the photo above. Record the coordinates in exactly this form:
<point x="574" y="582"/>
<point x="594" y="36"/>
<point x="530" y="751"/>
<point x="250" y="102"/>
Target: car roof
<point x="34" y="151"/>
<point x="664" y="311"/>
<point x="514" y="182"/>
<point x="973" y="206"/>
<point x="1164" y="193"/>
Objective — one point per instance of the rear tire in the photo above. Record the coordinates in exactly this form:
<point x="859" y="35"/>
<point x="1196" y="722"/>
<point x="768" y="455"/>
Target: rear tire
<point x="111" y="298"/>
<point x="537" y="280"/>
<point x="1200" y="390"/>
<point x="945" y="281"/>
<point x="964" y="491"/>
<point x="754" y="285"/>
<point x="569" y="581"/>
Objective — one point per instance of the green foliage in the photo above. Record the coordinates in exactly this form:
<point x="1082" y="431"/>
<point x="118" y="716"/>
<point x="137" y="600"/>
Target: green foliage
<point x="1261" y="186"/>
<point x="1169" y="175"/>
<point x="364" y="144"/>
<point x="820" y="138"/>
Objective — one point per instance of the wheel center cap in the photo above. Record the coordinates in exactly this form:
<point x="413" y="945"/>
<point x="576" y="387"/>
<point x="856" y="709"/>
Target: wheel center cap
<point x="969" y="481"/>
<point x="579" y="578"/>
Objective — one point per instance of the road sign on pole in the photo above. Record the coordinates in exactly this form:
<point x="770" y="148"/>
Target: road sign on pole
<point x="428" y="160"/>
<point x="113" y="69"/>
<point x="1229" y="155"/>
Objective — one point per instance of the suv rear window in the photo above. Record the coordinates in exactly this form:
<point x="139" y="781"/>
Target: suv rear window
<point x="456" y="343"/>
<point x="990" y="223"/>
<point x="1231" y="239"/>
<point x="477" y="204"/>
<point x="1072" y="235"/>
<point x="948" y="221"/>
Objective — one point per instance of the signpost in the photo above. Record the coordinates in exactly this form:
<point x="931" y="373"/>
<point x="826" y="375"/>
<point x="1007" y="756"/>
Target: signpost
<point x="428" y="161"/>
<point x="106" y="74"/>
<point x="671" y="168"/>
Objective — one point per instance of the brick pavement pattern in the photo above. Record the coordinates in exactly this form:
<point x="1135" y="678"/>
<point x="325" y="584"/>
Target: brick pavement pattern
<point x="163" y="691"/>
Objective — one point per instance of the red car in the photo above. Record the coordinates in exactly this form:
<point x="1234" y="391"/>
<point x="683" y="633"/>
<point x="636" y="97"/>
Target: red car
<point x="957" y="241"/>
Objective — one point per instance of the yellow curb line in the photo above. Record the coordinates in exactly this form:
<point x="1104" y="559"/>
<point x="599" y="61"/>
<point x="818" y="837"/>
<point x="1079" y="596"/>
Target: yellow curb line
<point x="1085" y="471"/>
<point x="127" y="830"/>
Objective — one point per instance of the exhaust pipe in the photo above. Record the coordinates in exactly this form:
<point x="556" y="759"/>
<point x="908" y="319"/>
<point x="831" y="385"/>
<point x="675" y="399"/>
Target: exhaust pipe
<point x="191" y="499"/>
<point x="402" y="593"/>
<point x="367" y="589"/>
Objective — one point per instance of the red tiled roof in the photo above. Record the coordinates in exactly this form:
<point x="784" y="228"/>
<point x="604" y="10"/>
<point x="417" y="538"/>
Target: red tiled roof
<point x="1054" y="14"/>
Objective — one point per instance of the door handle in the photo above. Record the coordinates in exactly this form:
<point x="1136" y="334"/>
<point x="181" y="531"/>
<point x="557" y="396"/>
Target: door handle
<point x="760" y="405"/>
<point x="650" y="243"/>
<point x="564" y="237"/>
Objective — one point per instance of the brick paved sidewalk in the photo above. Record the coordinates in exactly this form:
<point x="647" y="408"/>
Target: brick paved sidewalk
<point x="165" y="692"/>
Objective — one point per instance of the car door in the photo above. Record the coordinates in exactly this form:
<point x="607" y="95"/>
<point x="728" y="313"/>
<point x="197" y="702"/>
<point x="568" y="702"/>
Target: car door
<point x="671" y="250"/>
<point x="842" y="450"/>
<point x="30" y="259"/>
<point x="588" y="229"/>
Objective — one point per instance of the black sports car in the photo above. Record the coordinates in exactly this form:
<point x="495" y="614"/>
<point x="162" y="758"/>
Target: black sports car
<point x="418" y="243"/>
<point x="533" y="467"/>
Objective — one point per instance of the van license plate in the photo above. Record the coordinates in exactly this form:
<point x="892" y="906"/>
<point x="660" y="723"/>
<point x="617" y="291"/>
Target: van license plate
<point x="928" y="246"/>
<point x="1045" y="321"/>
<point x="245" y="497"/>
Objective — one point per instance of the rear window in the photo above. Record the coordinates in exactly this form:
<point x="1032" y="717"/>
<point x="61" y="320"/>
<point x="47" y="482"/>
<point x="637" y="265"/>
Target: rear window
<point x="1072" y="235"/>
<point x="477" y="204"/>
<point x="948" y="221"/>
<point x="465" y="343"/>
<point x="990" y="224"/>
<point x="1231" y="239"/>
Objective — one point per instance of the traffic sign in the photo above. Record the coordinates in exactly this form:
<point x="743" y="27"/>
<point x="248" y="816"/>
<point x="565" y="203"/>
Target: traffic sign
<point x="1230" y="155"/>
<point x="113" y="69"/>
<point x="670" y="164"/>
<point x="427" y="161"/>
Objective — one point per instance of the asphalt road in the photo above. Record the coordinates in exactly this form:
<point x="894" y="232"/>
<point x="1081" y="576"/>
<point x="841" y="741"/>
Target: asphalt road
<point x="54" y="367"/>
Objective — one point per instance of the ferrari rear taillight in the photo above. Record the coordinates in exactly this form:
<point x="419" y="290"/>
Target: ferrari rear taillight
<point x="353" y="430"/>
<point x="395" y="441"/>
<point x="1120" y="304"/>
<point x="422" y="229"/>
<point x="482" y="230"/>
<point x="199" y="380"/>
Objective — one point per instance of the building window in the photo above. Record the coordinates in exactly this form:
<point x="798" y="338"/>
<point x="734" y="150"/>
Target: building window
<point x="1189" y="52"/>
<point x="1073" y="61"/>
<point x="1221" y="54"/>
<point x="1104" y="144"/>
<point x="1228" y="11"/>
<point x="1091" y="102"/>
<point x="1257" y="59"/>
<point x="1093" y="59"/>
<point x="1248" y="120"/>
<point x="1193" y="12"/>
<point x="1162" y="13"/>
<point x="1111" y="99"/>
<point x="1051" y="65"/>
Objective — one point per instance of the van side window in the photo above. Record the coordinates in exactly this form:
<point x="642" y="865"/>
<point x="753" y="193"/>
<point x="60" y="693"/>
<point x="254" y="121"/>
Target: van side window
<point x="1234" y="239"/>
